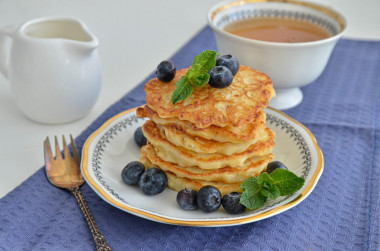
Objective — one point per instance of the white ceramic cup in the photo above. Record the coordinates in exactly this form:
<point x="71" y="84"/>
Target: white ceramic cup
<point x="53" y="68"/>
<point x="289" y="65"/>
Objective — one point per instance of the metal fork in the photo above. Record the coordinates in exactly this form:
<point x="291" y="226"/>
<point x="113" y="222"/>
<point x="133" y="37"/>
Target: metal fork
<point x="63" y="171"/>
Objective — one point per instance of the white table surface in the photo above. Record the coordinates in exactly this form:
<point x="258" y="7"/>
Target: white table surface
<point x="134" y="37"/>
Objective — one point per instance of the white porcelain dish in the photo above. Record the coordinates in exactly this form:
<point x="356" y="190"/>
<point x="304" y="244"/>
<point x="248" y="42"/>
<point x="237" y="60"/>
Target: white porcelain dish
<point x="53" y="68"/>
<point x="112" y="146"/>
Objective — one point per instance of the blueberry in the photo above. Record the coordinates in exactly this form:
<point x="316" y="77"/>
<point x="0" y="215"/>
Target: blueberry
<point x="275" y="165"/>
<point x="139" y="137"/>
<point x="153" y="181"/>
<point x="231" y="204"/>
<point x="165" y="71"/>
<point x="131" y="172"/>
<point x="209" y="199"/>
<point x="228" y="61"/>
<point x="220" y="77"/>
<point x="187" y="199"/>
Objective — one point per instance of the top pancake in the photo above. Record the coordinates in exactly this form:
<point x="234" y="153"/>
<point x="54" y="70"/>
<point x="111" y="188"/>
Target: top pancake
<point x="233" y="106"/>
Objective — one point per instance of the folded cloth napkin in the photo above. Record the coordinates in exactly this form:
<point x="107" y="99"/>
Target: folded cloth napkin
<point x="341" y="108"/>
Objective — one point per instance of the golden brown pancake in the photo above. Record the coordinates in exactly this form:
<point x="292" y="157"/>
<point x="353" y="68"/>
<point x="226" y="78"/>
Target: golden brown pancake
<point x="225" y="174"/>
<point x="184" y="157"/>
<point x="233" y="106"/>
<point x="246" y="133"/>
<point x="200" y="145"/>
<point x="177" y="183"/>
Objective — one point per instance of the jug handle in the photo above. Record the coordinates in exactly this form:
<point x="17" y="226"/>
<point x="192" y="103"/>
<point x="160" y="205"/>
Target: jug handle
<point x="6" y="32"/>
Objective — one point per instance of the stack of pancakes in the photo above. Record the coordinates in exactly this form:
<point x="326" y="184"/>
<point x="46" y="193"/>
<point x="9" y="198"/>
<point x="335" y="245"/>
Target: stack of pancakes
<point x="214" y="137"/>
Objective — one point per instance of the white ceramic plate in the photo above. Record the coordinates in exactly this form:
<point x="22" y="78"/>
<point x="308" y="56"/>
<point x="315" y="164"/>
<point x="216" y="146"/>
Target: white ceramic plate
<point x="112" y="146"/>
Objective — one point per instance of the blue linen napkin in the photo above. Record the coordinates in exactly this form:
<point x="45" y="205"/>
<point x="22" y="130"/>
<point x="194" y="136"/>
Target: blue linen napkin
<point x="341" y="108"/>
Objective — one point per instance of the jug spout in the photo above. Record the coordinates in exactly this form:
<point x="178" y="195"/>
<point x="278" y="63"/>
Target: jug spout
<point x="68" y="30"/>
<point x="85" y="47"/>
<point x="85" y="40"/>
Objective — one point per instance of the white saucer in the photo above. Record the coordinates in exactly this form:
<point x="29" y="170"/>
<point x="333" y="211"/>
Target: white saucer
<point x="112" y="146"/>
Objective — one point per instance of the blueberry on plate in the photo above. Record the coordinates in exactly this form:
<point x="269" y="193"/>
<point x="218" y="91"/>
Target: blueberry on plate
<point x="228" y="61"/>
<point x="230" y="203"/>
<point x="187" y="199"/>
<point x="153" y="181"/>
<point x="131" y="172"/>
<point x="275" y="165"/>
<point x="209" y="199"/>
<point x="220" y="77"/>
<point x="139" y="137"/>
<point x="165" y="71"/>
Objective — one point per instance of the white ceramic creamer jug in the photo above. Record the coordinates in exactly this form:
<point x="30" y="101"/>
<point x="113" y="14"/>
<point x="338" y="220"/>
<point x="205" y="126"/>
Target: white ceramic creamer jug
<point x="53" y="68"/>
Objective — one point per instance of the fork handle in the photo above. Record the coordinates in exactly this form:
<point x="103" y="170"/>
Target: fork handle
<point x="100" y="241"/>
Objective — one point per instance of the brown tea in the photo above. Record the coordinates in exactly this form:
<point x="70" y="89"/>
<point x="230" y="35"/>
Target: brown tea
<point x="283" y="30"/>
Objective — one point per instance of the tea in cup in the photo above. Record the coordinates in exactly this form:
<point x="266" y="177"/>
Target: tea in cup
<point x="290" y="41"/>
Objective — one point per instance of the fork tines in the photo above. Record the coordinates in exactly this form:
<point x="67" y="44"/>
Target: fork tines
<point x="66" y="152"/>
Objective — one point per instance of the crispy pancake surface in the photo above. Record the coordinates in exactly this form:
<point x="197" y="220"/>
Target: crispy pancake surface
<point x="198" y="144"/>
<point x="178" y="183"/>
<point x="184" y="157"/>
<point x="247" y="133"/>
<point x="233" y="106"/>
<point x="225" y="174"/>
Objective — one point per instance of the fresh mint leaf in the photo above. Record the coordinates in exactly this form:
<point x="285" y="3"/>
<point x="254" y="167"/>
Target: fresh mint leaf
<point x="252" y="197"/>
<point x="268" y="188"/>
<point x="252" y="200"/>
<point x="286" y="181"/>
<point x="200" y="80"/>
<point x="183" y="89"/>
<point x="197" y="75"/>
<point x="249" y="184"/>
<point x="202" y="63"/>
<point x="280" y="182"/>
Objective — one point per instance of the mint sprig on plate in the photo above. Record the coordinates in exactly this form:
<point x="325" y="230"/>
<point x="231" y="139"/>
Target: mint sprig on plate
<point x="256" y="190"/>
<point x="197" y="76"/>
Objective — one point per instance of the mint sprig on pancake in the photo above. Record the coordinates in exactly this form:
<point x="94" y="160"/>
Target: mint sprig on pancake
<point x="197" y="75"/>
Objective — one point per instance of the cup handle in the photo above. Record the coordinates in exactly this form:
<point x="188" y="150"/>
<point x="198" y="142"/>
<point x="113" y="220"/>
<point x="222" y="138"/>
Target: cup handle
<point x="6" y="32"/>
